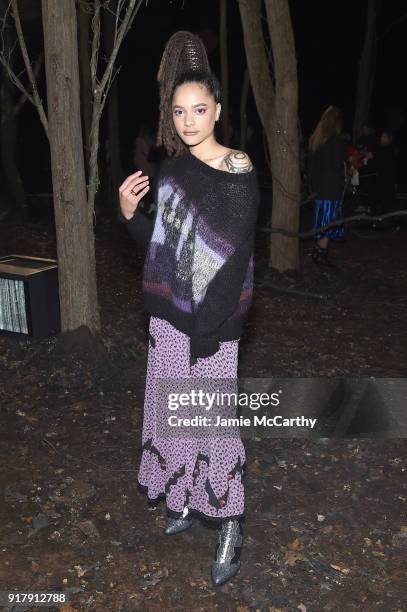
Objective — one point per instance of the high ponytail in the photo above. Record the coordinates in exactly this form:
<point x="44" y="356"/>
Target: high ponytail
<point x="184" y="52"/>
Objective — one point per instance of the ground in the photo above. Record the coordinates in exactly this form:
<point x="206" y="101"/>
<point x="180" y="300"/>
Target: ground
<point x="326" y="525"/>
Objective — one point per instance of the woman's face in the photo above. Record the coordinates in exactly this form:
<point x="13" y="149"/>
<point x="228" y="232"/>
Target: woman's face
<point x="194" y="113"/>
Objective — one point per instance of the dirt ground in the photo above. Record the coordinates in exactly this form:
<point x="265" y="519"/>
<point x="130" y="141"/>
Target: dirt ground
<point x="326" y="524"/>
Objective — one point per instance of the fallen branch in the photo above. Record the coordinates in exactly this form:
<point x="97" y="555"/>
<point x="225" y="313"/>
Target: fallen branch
<point x="321" y="229"/>
<point x="305" y="294"/>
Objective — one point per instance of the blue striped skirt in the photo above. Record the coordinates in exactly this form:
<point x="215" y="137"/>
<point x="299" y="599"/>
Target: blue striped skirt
<point x="326" y="211"/>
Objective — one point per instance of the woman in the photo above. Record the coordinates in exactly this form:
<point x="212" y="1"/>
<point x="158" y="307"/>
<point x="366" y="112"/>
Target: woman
<point x="197" y="287"/>
<point x="326" y="170"/>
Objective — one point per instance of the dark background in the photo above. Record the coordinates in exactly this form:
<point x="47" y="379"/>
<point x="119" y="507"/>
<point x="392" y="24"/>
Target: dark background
<point x="328" y="36"/>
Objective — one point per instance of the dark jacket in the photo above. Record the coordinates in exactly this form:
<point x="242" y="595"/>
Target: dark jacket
<point x="326" y="175"/>
<point x="384" y="164"/>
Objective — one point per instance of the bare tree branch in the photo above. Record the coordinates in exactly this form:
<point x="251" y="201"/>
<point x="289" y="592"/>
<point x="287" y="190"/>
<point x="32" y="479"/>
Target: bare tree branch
<point x="131" y="12"/>
<point x="36" y="70"/>
<point x="391" y="25"/>
<point x="14" y="79"/>
<point x="35" y="96"/>
<point x="95" y="44"/>
<point x="100" y="87"/>
<point x="5" y="60"/>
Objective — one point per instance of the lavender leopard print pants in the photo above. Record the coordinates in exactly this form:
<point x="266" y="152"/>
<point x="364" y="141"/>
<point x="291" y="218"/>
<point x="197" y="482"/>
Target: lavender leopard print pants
<point x="205" y="473"/>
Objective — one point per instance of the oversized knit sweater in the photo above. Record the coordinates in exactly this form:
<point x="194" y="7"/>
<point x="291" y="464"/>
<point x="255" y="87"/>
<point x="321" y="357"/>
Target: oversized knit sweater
<point x="198" y="270"/>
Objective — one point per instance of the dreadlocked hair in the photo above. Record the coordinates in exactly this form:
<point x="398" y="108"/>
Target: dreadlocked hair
<point x="183" y="53"/>
<point x="208" y="79"/>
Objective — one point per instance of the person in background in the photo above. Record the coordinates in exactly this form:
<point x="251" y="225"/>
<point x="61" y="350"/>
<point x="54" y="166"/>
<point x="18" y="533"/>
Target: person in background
<point x="367" y="141"/>
<point x="326" y="173"/>
<point x="383" y="165"/>
<point x="145" y="159"/>
<point x="143" y="146"/>
<point x="356" y="160"/>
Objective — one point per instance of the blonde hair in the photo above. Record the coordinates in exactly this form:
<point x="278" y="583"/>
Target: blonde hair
<point x="329" y="125"/>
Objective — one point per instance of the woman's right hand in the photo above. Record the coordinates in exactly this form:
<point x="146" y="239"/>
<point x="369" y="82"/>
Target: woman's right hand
<point x="131" y="191"/>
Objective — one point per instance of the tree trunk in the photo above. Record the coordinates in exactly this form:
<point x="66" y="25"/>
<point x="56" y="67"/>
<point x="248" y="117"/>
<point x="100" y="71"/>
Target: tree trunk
<point x="277" y="106"/>
<point x="243" y="110"/>
<point x="84" y="20"/>
<point x="284" y="150"/>
<point x="73" y="218"/>
<point x="366" y="71"/>
<point x="224" y="69"/>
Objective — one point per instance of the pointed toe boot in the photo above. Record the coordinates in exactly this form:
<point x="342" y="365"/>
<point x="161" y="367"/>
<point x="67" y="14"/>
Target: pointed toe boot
<point x="177" y="525"/>
<point x="227" y="552"/>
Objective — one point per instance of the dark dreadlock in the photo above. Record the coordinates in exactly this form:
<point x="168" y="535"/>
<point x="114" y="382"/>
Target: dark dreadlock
<point x="183" y="52"/>
<point x="208" y="79"/>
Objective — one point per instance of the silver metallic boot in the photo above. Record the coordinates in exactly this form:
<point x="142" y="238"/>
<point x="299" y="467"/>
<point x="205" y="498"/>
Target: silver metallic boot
<point x="176" y="525"/>
<point x="227" y="552"/>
